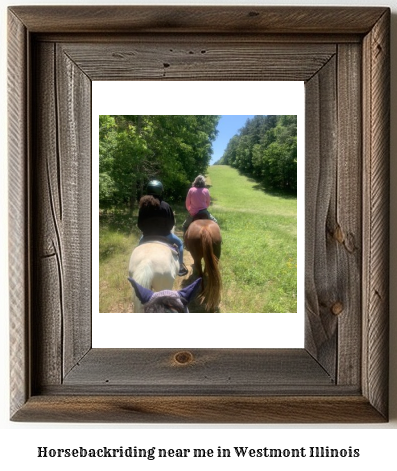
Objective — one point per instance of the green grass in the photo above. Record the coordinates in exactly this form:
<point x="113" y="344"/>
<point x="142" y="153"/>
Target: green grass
<point x="118" y="235"/>
<point x="258" y="261"/>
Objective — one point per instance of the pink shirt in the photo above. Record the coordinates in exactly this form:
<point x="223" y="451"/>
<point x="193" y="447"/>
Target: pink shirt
<point x="197" y="199"/>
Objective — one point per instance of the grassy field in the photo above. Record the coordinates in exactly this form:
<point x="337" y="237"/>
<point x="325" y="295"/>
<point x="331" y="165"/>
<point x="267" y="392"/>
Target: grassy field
<point x="258" y="261"/>
<point x="259" y="244"/>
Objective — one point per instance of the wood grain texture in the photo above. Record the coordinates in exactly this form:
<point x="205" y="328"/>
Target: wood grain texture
<point x="47" y="292"/>
<point x="333" y="215"/>
<point x="204" y="60"/>
<point x="73" y="109"/>
<point x="341" y="375"/>
<point x="321" y="277"/>
<point x="198" y="19"/>
<point x="18" y="180"/>
<point x="346" y="228"/>
<point x="199" y="409"/>
<point x="62" y="200"/>
<point x="250" y="370"/>
<point x="376" y="90"/>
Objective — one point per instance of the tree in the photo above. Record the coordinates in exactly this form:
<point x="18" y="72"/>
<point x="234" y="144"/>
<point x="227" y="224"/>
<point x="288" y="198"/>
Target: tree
<point x="266" y="149"/>
<point x="134" y="149"/>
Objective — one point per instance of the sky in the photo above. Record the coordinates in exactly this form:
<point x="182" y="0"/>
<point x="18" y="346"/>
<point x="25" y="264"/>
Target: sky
<point x="228" y="126"/>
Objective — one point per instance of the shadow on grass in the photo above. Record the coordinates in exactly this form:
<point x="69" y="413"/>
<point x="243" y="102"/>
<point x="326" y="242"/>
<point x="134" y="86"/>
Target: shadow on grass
<point x="288" y="195"/>
<point x="277" y="193"/>
<point x="115" y="228"/>
<point x="118" y="221"/>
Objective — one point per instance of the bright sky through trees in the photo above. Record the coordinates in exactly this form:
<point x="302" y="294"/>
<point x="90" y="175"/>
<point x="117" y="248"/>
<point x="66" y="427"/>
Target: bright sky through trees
<point x="228" y="126"/>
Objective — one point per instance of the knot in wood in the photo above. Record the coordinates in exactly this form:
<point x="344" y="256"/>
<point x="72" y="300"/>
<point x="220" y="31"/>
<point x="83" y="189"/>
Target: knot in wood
<point x="337" y="308"/>
<point x="183" y="358"/>
<point x="338" y="235"/>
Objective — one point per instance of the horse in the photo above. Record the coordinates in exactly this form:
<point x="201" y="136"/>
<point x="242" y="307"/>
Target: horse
<point x="165" y="301"/>
<point x="154" y="265"/>
<point x="203" y="240"/>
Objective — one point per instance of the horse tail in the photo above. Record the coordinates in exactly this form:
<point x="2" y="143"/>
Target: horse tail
<point x="144" y="276"/>
<point x="212" y="288"/>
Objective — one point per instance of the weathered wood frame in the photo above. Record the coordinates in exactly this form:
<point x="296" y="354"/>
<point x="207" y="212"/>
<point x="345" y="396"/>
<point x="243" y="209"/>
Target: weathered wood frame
<point x="342" y="54"/>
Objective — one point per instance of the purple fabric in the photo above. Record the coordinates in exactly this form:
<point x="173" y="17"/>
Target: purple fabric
<point x="185" y="295"/>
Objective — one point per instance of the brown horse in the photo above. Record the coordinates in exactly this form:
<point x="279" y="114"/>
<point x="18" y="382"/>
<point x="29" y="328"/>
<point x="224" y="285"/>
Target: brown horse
<point x="203" y="240"/>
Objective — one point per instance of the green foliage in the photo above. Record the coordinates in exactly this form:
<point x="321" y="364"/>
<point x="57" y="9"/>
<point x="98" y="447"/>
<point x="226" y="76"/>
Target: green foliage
<point x="266" y="149"/>
<point x="134" y="149"/>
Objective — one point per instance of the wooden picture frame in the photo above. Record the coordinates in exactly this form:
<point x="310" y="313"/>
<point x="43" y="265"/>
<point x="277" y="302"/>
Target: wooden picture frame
<point x="342" y="54"/>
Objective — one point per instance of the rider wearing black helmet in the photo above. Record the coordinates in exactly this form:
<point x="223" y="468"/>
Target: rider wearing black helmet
<point x="155" y="188"/>
<point x="156" y="218"/>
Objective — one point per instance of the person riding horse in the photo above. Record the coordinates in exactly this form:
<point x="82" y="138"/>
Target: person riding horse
<point x="197" y="201"/>
<point x="156" y="219"/>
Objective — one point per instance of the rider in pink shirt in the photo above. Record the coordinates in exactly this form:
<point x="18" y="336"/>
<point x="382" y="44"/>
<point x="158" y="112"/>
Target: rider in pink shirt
<point x="197" y="201"/>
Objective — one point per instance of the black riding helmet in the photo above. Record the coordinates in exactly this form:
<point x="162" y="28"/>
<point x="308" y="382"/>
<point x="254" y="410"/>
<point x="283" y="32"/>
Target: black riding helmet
<point x="155" y="188"/>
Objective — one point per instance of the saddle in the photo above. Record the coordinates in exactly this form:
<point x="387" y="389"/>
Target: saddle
<point x="202" y="214"/>
<point x="159" y="240"/>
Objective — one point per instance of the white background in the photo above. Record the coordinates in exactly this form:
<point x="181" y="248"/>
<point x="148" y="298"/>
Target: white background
<point x="19" y="442"/>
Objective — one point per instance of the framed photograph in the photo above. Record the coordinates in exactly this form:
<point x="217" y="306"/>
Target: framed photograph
<point x="342" y="56"/>
<point x="263" y="236"/>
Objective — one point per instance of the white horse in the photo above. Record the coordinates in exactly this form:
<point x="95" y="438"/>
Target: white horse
<point x="154" y="265"/>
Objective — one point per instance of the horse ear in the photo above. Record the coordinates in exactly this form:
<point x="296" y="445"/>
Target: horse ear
<point x="143" y="294"/>
<point x="188" y="293"/>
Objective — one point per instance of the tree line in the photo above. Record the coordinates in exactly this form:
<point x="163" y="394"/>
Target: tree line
<point x="266" y="149"/>
<point x="134" y="149"/>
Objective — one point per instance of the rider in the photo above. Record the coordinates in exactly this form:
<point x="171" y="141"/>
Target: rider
<point x="156" y="218"/>
<point x="197" y="201"/>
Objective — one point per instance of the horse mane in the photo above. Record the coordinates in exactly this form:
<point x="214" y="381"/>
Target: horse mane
<point x="149" y="201"/>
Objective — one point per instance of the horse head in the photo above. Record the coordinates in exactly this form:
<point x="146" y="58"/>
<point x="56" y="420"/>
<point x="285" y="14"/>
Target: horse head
<point x="166" y="300"/>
